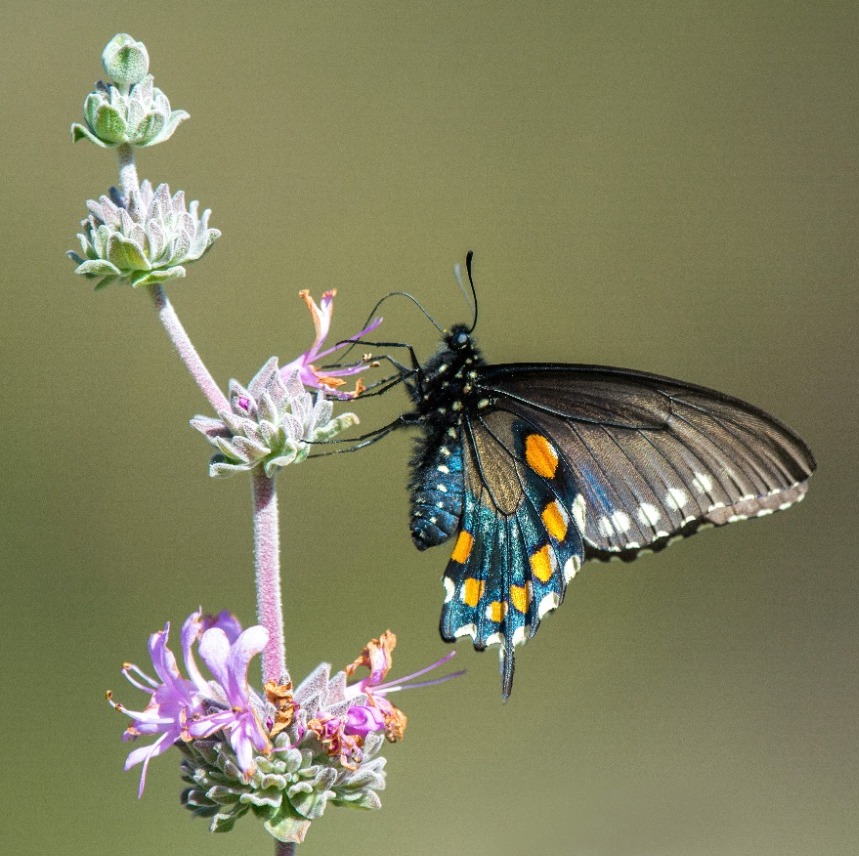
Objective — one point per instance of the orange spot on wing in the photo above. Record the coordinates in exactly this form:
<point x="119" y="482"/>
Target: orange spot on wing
<point x="497" y="610"/>
<point x="555" y="520"/>
<point x="462" y="549"/>
<point x="540" y="456"/>
<point x="541" y="564"/>
<point x="472" y="591"/>
<point x="520" y="596"/>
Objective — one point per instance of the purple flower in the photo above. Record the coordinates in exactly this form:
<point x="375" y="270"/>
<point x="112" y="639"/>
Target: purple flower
<point x="188" y="708"/>
<point x="228" y="662"/>
<point x="331" y="380"/>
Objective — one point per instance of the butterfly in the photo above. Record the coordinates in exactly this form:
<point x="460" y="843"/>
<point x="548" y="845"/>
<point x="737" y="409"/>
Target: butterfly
<point x="533" y="468"/>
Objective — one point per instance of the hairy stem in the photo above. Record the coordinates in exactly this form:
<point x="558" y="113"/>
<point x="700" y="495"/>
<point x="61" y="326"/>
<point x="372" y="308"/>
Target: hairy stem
<point x="284" y="848"/>
<point x="128" y="181"/>
<point x="267" y="564"/>
<point x="186" y="350"/>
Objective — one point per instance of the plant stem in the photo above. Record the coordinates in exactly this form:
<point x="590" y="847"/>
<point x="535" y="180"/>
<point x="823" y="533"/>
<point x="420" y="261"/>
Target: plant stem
<point x="128" y="181"/>
<point x="267" y="564"/>
<point x="186" y="350"/>
<point x="284" y="848"/>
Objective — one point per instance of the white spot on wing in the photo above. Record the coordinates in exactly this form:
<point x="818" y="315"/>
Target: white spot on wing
<point x="449" y="589"/>
<point x="621" y="522"/>
<point x="605" y="527"/>
<point x="495" y="639"/>
<point x="649" y="514"/>
<point x="519" y="636"/>
<point x="549" y="602"/>
<point x="466" y="630"/>
<point x="702" y="483"/>
<point x="676" y="498"/>
<point x="571" y="568"/>
<point x="579" y="509"/>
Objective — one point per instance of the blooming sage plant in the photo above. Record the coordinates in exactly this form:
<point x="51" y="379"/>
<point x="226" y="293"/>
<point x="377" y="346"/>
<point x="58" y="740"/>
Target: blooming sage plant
<point x="280" y="753"/>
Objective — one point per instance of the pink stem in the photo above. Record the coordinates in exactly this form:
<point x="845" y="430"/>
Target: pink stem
<point x="284" y="848"/>
<point x="267" y="562"/>
<point x="186" y="350"/>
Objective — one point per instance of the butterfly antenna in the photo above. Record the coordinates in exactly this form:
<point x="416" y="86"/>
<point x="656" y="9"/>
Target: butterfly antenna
<point x="472" y="299"/>
<point x="382" y="300"/>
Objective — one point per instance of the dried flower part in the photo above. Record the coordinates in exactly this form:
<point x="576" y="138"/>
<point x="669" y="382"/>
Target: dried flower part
<point x="271" y="423"/>
<point x="281" y="697"/>
<point x="143" y="241"/>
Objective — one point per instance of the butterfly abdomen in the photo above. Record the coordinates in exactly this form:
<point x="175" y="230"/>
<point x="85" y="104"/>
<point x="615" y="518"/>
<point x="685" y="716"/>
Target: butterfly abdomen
<point x="446" y="391"/>
<point x="437" y="490"/>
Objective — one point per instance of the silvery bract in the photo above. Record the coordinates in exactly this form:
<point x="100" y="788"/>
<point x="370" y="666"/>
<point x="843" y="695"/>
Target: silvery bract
<point x="146" y="241"/>
<point x="139" y="117"/>
<point x="271" y="423"/>
<point x="297" y="781"/>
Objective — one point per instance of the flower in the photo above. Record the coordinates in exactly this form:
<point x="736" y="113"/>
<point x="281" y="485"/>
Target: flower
<point x="144" y="240"/>
<point x="131" y="110"/>
<point x="328" y="380"/>
<point x="286" y="755"/>
<point x="182" y="709"/>
<point x="271" y="423"/>
<point x="325" y="754"/>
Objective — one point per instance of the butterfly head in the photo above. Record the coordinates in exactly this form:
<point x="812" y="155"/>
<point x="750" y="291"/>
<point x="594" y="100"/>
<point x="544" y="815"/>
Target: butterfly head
<point x="458" y="338"/>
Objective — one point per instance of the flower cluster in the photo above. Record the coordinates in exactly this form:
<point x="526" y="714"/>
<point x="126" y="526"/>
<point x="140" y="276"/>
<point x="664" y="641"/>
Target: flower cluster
<point x="131" y="110"/>
<point x="271" y="423"/>
<point x="285" y="756"/>
<point x="143" y="240"/>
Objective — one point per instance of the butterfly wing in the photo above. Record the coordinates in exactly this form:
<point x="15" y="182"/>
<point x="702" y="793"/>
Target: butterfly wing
<point x="652" y="457"/>
<point x="518" y="545"/>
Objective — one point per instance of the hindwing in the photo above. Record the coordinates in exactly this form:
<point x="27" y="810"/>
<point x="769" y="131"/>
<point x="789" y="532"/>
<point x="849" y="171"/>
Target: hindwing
<point x="518" y="544"/>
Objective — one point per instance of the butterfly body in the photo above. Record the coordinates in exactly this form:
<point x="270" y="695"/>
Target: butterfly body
<point x="538" y="467"/>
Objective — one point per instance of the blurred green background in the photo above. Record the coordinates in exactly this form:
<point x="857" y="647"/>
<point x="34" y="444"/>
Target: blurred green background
<point x="669" y="186"/>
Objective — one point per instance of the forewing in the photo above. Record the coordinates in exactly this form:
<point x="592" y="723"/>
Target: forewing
<point x="653" y="457"/>
<point x="518" y="544"/>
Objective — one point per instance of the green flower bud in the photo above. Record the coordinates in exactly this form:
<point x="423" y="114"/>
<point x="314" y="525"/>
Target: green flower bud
<point x="144" y="241"/>
<point x="125" y="61"/>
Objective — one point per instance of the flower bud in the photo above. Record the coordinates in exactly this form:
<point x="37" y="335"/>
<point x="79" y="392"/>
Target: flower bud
<point x="125" y="60"/>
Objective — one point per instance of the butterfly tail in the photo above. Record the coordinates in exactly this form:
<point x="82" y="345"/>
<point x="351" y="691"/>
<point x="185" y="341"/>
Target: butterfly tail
<point x="508" y="666"/>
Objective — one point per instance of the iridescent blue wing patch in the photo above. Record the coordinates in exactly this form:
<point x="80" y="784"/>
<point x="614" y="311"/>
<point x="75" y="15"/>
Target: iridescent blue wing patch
<point x="518" y="545"/>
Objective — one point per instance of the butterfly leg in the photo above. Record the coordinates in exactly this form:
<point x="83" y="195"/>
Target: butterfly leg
<point x="362" y="441"/>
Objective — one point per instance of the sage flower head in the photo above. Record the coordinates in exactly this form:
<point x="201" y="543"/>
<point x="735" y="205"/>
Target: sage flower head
<point x="271" y="423"/>
<point x="144" y="240"/>
<point x="326" y="736"/>
<point x="329" y="380"/>
<point x="131" y="110"/>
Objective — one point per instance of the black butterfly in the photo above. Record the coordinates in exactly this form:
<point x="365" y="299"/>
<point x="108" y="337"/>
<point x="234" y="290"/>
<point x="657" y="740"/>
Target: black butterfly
<point x="536" y="467"/>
